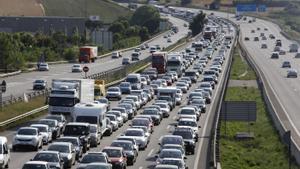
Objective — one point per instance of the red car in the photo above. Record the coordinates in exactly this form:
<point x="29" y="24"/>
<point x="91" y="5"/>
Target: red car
<point x="117" y="157"/>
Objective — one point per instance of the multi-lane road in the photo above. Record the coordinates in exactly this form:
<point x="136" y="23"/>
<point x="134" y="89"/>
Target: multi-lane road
<point x="19" y="84"/>
<point x="146" y="158"/>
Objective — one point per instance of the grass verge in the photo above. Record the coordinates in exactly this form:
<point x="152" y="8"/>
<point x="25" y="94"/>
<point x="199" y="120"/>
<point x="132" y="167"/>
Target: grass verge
<point x="240" y="69"/>
<point x="107" y="11"/>
<point x="265" y="151"/>
<point x="19" y="108"/>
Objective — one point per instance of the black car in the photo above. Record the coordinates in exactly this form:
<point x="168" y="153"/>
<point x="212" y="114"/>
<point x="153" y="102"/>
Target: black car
<point x="81" y="130"/>
<point x="189" y="139"/>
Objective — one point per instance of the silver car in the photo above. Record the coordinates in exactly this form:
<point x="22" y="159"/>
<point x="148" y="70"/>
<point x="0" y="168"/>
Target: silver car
<point x="67" y="152"/>
<point x="45" y="132"/>
<point x="292" y="73"/>
<point x="52" y="157"/>
<point x="139" y="136"/>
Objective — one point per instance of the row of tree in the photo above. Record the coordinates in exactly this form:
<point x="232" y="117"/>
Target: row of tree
<point x="17" y="49"/>
<point x="143" y="23"/>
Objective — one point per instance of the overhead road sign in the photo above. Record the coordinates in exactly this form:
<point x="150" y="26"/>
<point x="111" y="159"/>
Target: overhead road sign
<point x="246" y="8"/>
<point x="262" y="8"/>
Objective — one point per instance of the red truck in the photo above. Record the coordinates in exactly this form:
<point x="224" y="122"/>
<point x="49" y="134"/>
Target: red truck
<point x="159" y="61"/>
<point x="88" y="54"/>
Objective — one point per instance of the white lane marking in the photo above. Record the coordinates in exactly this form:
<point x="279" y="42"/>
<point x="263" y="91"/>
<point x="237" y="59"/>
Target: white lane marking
<point x="141" y="167"/>
<point x="174" y="118"/>
<point x="160" y="138"/>
<point x="150" y="153"/>
<point x="168" y="127"/>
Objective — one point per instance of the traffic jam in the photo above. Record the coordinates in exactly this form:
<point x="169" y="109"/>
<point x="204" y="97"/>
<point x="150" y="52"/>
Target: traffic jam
<point x="161" y="106"/>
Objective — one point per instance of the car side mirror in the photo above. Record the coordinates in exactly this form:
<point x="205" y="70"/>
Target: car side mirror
<point x="185" y="157"/>
<point x="156" y="156"/>
<point x="61" y="160"/>
<point x="199" y="127"/>
<point x="73" y="151"/>
<point x="6" y="152"/>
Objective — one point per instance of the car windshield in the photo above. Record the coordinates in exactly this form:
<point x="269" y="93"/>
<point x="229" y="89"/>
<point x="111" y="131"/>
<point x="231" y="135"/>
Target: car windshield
<point x="28" y="132"/>
<point x="59" y="148"/>
<point x="112" y="118"/>
<point x="150" y="111"/>
<point x="133" y="133"/>
<point x="125" y="84"/>
<point x="126" y="146"/>
<point x="132" y="79"/>
<point x="170" y="154"/>
<point x="76" y="130"/>
<point x="114" y="89"/>
<point x="34" y="166"/>
<point x="183" y="134"/>
<point x="41" y="128"/>
<point x="162" y="105"/>
<point x="173" y="162"/>
<point x="97" y="166"/>
<point x="69" y="140"/>
<point x="187" y="123"/>
<point x="50" y="123"/>
<point x="170" y="140"/>
<point x="39" y="81"/>
<point x="92" y="158"/>
<point x="140" y="122"/>
<point x="187" y="111"/>
<point x="167" y="98"/>
<point x="190" y="73"/>
<point x="112" y="152"/>
<point x="49" y="157"/>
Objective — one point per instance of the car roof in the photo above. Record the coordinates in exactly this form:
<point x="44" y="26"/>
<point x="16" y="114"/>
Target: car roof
<point x="68" y="137"/>
<point x="113" y="148"/>
<point x="37" y="162"/>
<point x="77" y="123"/>
<point x="27" y="128"/>
<point x="187" y="119"/>
<point x="122" y="141"/>
<point x="39" y="125"/>
<point x="48" y="151"/>
<point x="61" y="143"/>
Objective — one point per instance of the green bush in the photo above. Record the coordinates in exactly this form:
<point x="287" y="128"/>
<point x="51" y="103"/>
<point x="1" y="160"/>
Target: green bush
<point x="71" y="54"/>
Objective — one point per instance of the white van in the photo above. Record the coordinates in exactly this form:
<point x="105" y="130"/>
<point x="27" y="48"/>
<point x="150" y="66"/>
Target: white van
<point x="135" y="80"/>
<point x="4" y="152"/>
<point x="91" y="113"/>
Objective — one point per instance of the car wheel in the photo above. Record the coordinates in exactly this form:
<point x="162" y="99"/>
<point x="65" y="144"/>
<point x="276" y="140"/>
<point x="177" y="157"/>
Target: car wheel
<point x="14" y="148"/>
<point x="7" y="165"/>
<point x="36" y="148"/>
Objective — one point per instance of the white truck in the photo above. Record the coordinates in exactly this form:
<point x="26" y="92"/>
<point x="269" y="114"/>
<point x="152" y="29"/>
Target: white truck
<point x="65" y="93"/>
<point x="167" y="93"/>
<point x="175" y="63"/>
<point x="93" y="113"/>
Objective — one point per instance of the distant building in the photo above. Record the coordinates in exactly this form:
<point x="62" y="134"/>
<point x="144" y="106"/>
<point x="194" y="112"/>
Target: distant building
<point x="42" y="24"/>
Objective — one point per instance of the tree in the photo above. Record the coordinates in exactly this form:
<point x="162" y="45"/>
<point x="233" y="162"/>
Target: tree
<point x="147" y="16"/>
<point x="185" y="2"/>
<point x="117" y="27"/>
<point x="197" y="25"/>
<point x="92" y="25"/>
<point x="144" y="34"/>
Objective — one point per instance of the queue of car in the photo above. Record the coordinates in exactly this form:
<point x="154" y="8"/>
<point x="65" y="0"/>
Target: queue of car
<point x="69" y="146"/>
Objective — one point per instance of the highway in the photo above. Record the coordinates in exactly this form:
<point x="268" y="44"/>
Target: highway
<point x="146" y="158"/>
<point x="20" y="84"/>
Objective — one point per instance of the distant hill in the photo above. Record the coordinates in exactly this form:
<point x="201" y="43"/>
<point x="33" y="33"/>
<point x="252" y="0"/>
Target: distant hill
<point x="21" y="7"/>
<point x="107" y="10"/>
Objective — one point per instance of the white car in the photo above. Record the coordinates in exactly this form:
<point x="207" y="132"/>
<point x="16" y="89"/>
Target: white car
<point x="45" y="132"/>
<point x="36" y="164"/>
<point x="169" y="153"/>
<point x="27" y="136"/>
<point x="113" y="93"/>
<point x="188" y="122"/>
<point x="116" y="54"/>
<point x="139" y="136"/>
<point x="187" y="112"/>
<point x="43" y="67"/>
<point x="76" y="68"/>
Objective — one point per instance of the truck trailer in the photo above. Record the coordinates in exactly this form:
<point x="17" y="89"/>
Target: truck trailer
<point x="88" y="54"/>
<point x="65" y="93"/>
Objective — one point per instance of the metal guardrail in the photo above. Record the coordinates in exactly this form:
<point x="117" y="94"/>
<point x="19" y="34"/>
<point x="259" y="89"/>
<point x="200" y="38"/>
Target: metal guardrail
<point x="215" y="132"/>
<point x="9" y="121"/>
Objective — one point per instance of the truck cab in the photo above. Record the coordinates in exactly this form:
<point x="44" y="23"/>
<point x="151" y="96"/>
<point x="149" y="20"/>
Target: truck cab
<point x="99" y="89"/>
